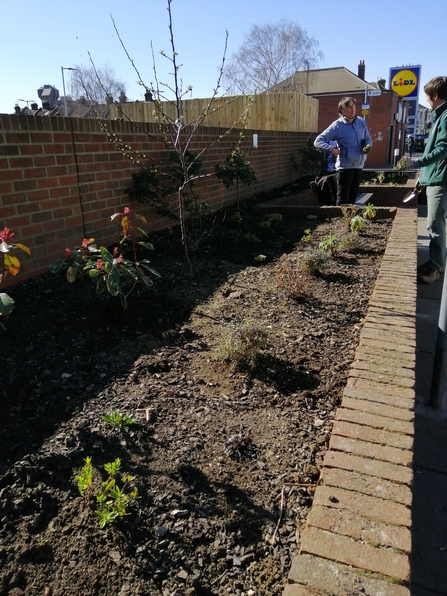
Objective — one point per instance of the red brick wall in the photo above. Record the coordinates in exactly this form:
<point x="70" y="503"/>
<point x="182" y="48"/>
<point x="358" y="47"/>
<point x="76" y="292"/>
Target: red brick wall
<point x="380" y="119"/>
<point x="61" y="178"/>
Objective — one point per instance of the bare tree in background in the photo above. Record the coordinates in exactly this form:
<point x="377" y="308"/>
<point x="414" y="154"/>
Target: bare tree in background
<point x="98" y="87"/>
<point x="269" y="55"/>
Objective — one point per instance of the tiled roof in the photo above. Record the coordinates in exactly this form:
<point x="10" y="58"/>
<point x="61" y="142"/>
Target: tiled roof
<point x="325" y="80"/>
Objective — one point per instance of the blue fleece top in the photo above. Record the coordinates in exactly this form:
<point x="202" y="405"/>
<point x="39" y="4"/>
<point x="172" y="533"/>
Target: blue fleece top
<point x="350" y="137"/>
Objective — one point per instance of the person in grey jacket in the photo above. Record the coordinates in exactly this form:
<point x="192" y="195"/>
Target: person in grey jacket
<point x="353" y="144"/>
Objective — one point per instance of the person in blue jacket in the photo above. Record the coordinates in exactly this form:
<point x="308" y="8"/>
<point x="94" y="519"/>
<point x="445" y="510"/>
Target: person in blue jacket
<point x="353" y="143"/>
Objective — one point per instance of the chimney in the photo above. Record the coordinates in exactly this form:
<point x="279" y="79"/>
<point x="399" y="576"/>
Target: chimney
<point x="381" y="83"/>
<point x="49" y="96"/>
<point x="34" y="106"/>
<point x="361" y="74"/>
<point x="17" y="109"/>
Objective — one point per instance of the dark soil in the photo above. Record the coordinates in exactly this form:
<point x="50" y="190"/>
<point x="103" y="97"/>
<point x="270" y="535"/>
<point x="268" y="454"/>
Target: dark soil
<point x="225" y="459"/>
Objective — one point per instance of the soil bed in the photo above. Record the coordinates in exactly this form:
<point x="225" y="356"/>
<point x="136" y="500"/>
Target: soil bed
<point x="225" y="459"/>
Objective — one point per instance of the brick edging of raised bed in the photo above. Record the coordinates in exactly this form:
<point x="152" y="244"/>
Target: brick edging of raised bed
<point x="357" y="537"/>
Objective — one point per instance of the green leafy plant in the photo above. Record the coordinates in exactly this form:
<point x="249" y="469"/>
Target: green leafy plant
<point x="236" y="169"/>
<point x="311" y="161"/>
<point x="369" y="211"/>
<point x="402" y="164"/>
<point x="330" y="243"/>
<point x="111" y="272"/>
<point x="159" y="185"/>
<point x="251" y="238"/>
<point x="315" y="261"/>
<point x="10" y="264"/>
<point x="118" y="420"/>
<point x="273" y="220"/>
<point x="357" y="223"/>
<point x="85" y="479"/>
<point x="289" y="279"/>
<point x="348" y="212"/>
<point x="241" y="344"/>
<point x="307" y="236"/>
<point x="113" y="500"/>
<point x="236" y="218"/>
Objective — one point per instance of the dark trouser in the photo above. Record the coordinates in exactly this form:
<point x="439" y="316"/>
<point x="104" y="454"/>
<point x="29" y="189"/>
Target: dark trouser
<point x="348" y="182"/>
<point x="332" y="184"/>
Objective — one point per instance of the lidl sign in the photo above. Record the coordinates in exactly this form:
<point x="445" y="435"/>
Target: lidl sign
<point x="405" y="81"/>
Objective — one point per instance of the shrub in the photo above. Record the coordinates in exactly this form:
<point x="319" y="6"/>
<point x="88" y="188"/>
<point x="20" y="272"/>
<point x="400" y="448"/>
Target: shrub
<point x="241" y="343"/>
<point x="348" y="212"/>
<point x="251" y="238"/>
<point x="288" y="278"/>
<point x="307" y="236"/>
<point x="113" y="500"/>
<point x="315" y="261"/>
<point x="111" y="271"/>
<point x="260" y="259"/>
<point x="350" y="243"/>
<point x="273" y="220"/>
<point x="10" y="264"/>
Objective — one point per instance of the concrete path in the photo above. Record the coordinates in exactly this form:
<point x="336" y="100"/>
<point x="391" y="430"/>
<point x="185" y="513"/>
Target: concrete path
<point x="429" y="509"/>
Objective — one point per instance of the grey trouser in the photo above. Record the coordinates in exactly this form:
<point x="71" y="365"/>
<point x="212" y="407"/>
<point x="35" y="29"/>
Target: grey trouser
<point x="436" y="212"/>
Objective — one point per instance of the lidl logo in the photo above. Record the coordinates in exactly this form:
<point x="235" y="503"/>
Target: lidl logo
<point x="404" y="82"/>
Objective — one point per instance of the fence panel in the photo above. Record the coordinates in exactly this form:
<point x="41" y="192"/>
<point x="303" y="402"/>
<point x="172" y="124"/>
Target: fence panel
<point x="287" y="111"/>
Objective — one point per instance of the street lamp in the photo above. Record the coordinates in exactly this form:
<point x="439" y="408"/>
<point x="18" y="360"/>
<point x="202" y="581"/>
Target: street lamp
<point x="63" y="83"/>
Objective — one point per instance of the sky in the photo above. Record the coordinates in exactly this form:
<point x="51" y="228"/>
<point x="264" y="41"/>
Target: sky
<point x="38" y="40"/>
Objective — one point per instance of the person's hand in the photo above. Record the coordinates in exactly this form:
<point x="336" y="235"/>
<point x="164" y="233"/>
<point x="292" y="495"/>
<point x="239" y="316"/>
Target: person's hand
<point x="367" y="148"/>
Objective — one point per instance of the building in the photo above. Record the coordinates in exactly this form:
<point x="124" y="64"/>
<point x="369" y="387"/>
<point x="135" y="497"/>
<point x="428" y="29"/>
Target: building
<point x="54" y="105"/>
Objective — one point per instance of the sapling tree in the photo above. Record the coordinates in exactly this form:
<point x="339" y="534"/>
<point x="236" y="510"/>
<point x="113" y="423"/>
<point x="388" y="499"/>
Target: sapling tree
<point x="175" y="132"/>
<point x="236" y="169"/>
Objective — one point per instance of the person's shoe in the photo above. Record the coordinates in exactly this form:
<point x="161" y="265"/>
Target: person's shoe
<point x="426" y="267"/>
<point x="429" y="276"/>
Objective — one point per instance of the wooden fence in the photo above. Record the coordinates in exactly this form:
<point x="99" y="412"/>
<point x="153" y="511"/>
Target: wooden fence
<point x="287" y="111"/>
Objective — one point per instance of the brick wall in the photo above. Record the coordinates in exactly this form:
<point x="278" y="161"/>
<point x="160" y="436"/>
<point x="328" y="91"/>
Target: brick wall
<point x="62" y="178"/>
